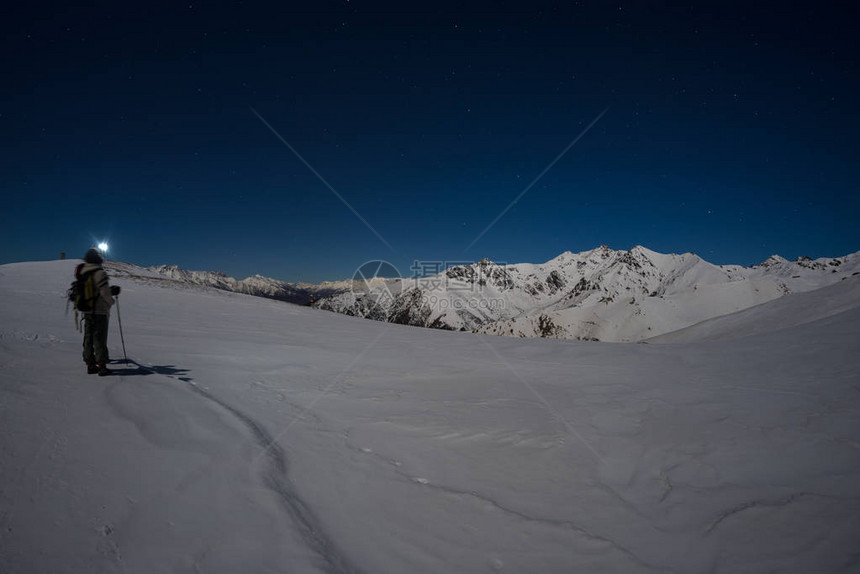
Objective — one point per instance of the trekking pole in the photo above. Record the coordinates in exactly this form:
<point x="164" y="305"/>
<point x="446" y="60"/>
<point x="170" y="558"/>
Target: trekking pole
<point x="121" y="338"/>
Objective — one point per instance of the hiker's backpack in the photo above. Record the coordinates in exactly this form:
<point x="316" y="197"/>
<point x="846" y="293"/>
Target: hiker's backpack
<point x="83" y="291"/>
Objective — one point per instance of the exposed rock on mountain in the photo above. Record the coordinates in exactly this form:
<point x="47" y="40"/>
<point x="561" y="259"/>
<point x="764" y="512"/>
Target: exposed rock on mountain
<point x="601" y="294"/>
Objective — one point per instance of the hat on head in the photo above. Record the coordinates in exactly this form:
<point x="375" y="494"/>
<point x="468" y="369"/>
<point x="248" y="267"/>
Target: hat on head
<point x="94" y="256"/>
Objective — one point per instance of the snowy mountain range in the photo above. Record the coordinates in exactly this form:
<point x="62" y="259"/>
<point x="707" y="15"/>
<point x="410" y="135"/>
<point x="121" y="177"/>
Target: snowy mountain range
<point x="299" y="293"/>
<point x="601" y="294"/>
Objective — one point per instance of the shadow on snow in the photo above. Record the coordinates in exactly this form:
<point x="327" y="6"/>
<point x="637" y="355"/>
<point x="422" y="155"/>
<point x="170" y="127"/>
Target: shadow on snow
<point x="133" y="368"/>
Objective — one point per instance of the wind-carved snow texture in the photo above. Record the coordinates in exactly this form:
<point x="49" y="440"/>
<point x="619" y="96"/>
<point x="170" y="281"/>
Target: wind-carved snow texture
<point x="756" y="504"/>
<point x="517" y="514"/>
<point x="277" y="479"/>
<point x="275" y="474"/>
<point x="261" y="436"/>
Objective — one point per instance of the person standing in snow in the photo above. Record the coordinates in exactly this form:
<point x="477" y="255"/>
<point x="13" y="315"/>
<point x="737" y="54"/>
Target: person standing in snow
<point x="96" y="320"/>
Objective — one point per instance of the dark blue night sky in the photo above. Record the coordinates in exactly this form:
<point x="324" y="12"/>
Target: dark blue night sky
<point x="731" y="131"/>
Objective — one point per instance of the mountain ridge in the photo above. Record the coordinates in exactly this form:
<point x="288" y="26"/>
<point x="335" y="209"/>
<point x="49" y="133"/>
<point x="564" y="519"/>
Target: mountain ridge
<point x="298" y="293"/>
<point x="599" y="294"/>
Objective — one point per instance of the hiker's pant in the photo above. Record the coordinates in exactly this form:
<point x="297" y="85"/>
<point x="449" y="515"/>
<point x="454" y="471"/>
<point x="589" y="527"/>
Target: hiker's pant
<point x="95" y="338"/>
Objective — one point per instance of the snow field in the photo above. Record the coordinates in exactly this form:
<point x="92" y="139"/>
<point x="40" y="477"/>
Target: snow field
<point x="265" y="437"/>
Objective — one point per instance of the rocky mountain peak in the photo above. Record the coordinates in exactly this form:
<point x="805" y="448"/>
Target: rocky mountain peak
<point x="598" y="294"/>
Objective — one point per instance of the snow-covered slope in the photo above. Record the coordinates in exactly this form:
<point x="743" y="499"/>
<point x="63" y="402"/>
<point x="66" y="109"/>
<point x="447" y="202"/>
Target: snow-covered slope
<point x="300" y="293"/>
<point x="789" y="311"/>
<point x="267" y="437"/>
<point x="600" y="294"/>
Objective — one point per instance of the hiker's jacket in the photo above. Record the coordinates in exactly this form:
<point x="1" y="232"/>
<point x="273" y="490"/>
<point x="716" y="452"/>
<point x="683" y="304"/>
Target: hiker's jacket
<point x="100" y="280"/>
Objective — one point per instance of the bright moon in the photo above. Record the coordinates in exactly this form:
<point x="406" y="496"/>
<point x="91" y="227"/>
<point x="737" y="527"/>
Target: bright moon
<point x="103" y="247"/>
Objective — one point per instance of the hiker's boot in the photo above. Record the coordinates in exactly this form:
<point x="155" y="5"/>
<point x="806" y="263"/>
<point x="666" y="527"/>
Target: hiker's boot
<point x="103" y="370"/>
<point x="92" y="369"/>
